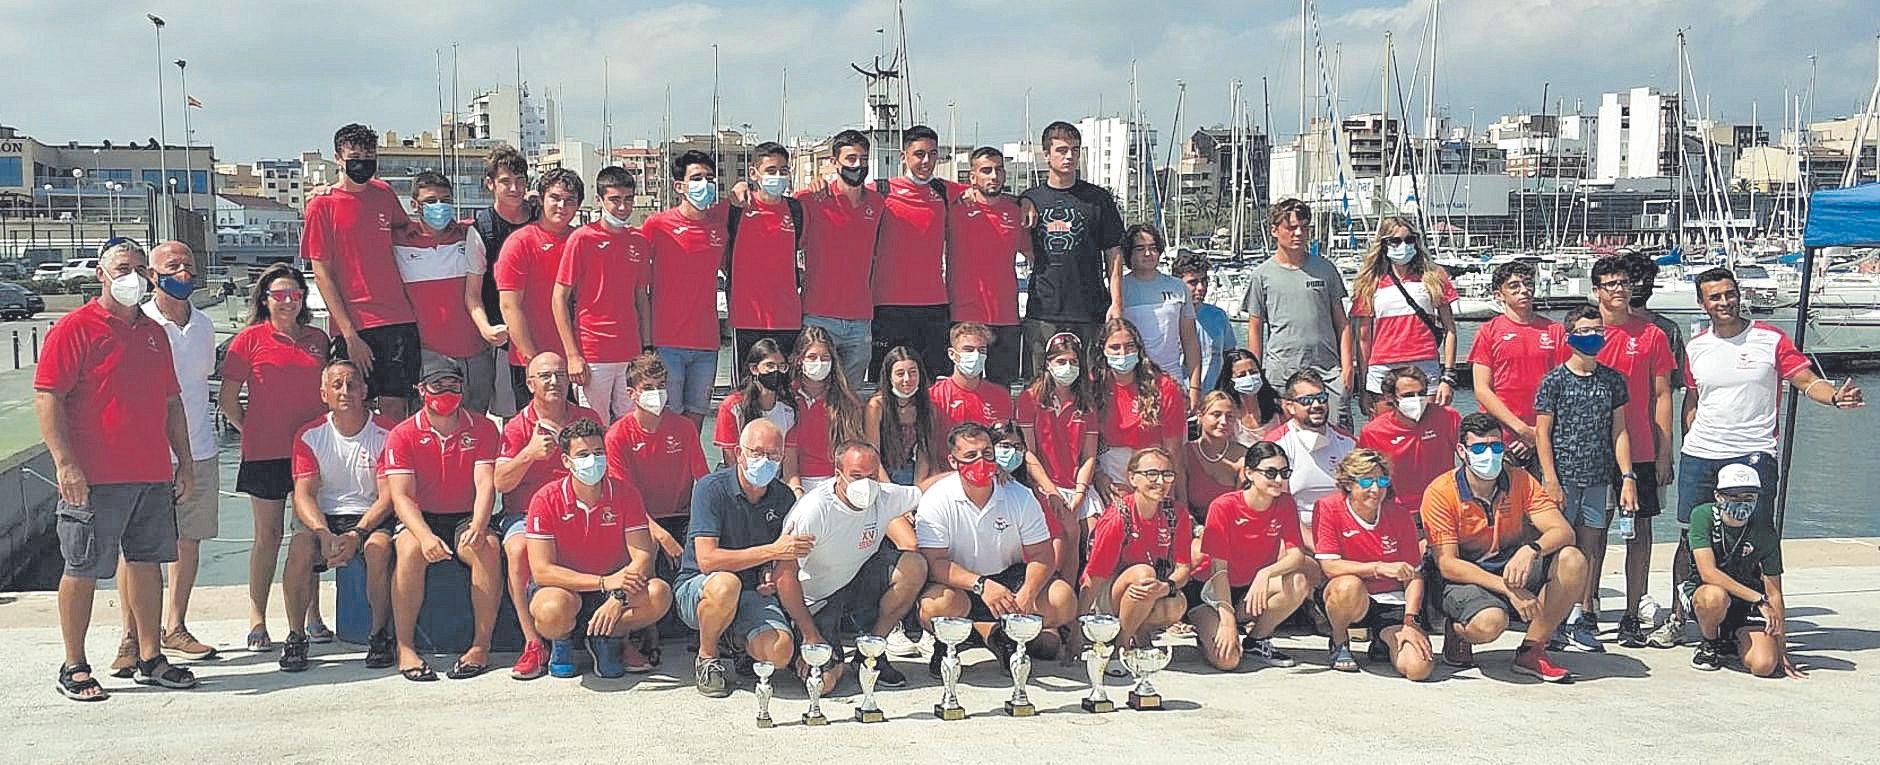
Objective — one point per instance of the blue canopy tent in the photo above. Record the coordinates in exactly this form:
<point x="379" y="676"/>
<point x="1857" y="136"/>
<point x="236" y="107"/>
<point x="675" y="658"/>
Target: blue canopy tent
<point x="1846" y="217"/>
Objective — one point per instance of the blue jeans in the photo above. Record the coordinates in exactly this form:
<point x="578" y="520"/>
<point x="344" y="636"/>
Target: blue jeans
<point x="756" y="613"/>
<point x="690" y="374"/>
<point x="1585" y="506"/>
<point x="855" y="341"/>
<point x="1697" y="482"/>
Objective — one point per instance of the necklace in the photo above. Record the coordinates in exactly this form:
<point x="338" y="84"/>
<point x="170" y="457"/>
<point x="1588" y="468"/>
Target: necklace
<point x="1201" y="448"/>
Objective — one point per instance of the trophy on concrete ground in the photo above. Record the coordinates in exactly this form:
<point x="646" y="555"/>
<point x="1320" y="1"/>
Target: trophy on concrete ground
<point x="1143" y="662"/>
<point x="1099" y="629"/>
<point x="872" y="649"/>
<point x="1021" y="628"/>
<point x="763" y="670"/>
<point x="950" y="631"/>
<point x="815" y="655"/>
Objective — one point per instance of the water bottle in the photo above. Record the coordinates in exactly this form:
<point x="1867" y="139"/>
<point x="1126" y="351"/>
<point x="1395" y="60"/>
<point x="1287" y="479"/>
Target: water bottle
<point x="1626" y="531"/>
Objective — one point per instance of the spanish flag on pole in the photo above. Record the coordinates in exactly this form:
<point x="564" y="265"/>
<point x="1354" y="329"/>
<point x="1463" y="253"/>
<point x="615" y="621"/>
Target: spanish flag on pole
<point x="194" y="102"/>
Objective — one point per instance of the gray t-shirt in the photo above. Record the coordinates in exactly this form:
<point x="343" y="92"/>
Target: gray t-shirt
<point x="1157" y="307"/>
<point x="1296" y="306"/>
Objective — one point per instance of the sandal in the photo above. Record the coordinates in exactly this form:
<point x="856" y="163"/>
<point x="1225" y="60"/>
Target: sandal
<point x="465" y="671"/>
<point x="87" y="689"/>
<point x="419" y="674"/>
<point x="1342" y="660"/>
<point x="1178" y="630"/>
<point x="318" y="632"/>
<point x="158" y="670"/>
<point x="258" y="641"/>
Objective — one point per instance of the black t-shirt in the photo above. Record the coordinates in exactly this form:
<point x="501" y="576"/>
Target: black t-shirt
<point x="1075" y="226"/>
<point x="495" y="230"/>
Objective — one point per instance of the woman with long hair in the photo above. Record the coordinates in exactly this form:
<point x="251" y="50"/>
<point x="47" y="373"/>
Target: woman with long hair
<point x="1367" y="545"/>
<point x="1213" y="457"/>
<point x="1255" y="398"/>
<point x="1257" y="572"/>
<point x="829" y="412"/>
<point x="277" y="360"/>
<point x="900" y="419"/>
<point x="1055" y="413"/>
<point x="1138" y="406"/>
<point x="764" y="393"/>
<point x="1158" y="305"/>
<point x="1401" y="304"/>
<point x="1140" y="551"/>
<point x="1010" y="451"/>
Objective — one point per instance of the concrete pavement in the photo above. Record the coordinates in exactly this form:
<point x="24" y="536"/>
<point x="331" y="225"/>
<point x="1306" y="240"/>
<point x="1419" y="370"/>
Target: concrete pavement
<point x="1628" y="705"/>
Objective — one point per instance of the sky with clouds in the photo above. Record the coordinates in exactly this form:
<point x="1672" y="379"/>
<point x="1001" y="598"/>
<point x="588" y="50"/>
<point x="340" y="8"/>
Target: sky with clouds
<point x="277" y="78"/>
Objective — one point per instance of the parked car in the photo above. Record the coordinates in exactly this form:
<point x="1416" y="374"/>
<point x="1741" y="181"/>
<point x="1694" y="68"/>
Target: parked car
<point x="79" y="268"/>
<point x="48" y="272"/>
<point x="12" y="269"/>
<point x="18" y="302"/>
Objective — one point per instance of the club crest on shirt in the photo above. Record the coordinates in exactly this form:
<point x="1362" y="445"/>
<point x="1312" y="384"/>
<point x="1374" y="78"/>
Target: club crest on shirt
<point x="1272" y="528"/>
<point x="150" y="343"/>
<point x="1546" y="342"/>
<point x="770" y="515"/>
<point x="467" y="441"/>
<point x="1000" y="523"/>
<point x="385" y="223"/>
<point x="717" y="238"/>
<point x="1631" y="346"/>
<point x="607" y="516"/>
<point x="1388" y="542"/>
<point x="868" y="538"/>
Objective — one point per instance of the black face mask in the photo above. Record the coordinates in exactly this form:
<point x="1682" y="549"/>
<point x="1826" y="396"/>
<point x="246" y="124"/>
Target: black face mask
<point x="361" y="170"/>
<point x="853" y="176"/>
<point x="773" y="380"/>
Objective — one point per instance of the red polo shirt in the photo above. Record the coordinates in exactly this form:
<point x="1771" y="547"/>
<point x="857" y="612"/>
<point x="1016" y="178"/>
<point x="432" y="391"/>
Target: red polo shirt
<point x="352" y="231"/>
<point x="607" y="270"/>
<point x="531" y="256"/>
<point x="1245" y="540"/>
<point x="813" y="442"/>
<point x="662" y="464"/>
<point x="1123" y="538"/>
<point x="1638" y="350"/>
<point x="981" y="242"/>
<point x="1058" y="436"/>
<point x="1518" y="356"/>
<point x="516" y="435"/>
<point x="1122" y="425"/>
<point x="763" y="270"/>
<point x="588" y="539"/>
<point x="1418" y="452"/>
<point x="434" y="265"/>
<point x="283" y="378"/>
<point x="113" y="378"/>
<point x="442" y="466"/>
<point x="913" y="239"/>
<point x="685" y="277"/>
<point x="839" y="253"/>
<point x="1337" y="533"/>
<point x="953" y="404"/>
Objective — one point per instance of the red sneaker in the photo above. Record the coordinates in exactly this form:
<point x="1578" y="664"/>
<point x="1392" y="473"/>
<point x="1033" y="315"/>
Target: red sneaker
<point x="635" y="661"/>
<point x="533" y="662"/>
<point x="1531" y="660"/>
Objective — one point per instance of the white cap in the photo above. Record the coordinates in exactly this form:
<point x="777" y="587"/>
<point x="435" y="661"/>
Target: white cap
<point x="1737" y="477"/>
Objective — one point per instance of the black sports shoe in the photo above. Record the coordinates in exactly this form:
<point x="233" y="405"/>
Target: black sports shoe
<point x="1631" y="632"/>
<point x="1377" y="650"/>
<point x="380" y="651"/>
<point x="933" y="662"/>
<point x="294" y="653"/>
<point x="1002" y="648"/>
<point x="891" y="676"/>
<point x="1707" y="657"/>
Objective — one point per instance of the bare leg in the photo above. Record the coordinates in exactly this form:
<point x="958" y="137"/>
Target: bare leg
<point x="1346" y="601"/>
<point x="297" y="581"/>
<point x="1761" y="656"/>
<point x="647" y="610"/>
<point x="1709" y="604"/>
<point x="1413" y="667"/>
<point x="555" y="610"/>
<point x="717" y="605"/>
<point x="142" y="588"/>
<point x="263" y="556"/>
<point x="939" y="600"/>
<point x="378" y="559"/>
<point x="182" y="581"/>
<point x="517" y="576"/>
<point x="904" y="585"/>
<point x="1221" y="651"/>
<point x="1485" y="626"/>
<point x="1286" y="598"/>
<point x="486" y="592"/>
<point x="408" y="597"/>
<point x="75" y="601"/>
<point x="1638" y="563"/>
<point x="1565" y="586"/>
<point x="1591" y="542"/>
<point x="1131" y="610"/>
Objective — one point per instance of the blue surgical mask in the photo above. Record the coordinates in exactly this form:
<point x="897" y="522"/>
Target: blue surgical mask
<point x="1587" y="344"/>
<point x="775" y="185"/>
<point x="972" y="363"/>
<point x="176" y="288"/>
<point x="588" y="469"/>
<point x="1125" y="363"/>
<point x="437" y="215"/>
<point x="613" y="222"/>
<point x="1486" y="465"/>
<point x="1008" y="457"/>
<point x="760" y="471"/>
<point x="1401" y="254"/>
<point x="1247" y="383"/>
<point x="703" y="193"/>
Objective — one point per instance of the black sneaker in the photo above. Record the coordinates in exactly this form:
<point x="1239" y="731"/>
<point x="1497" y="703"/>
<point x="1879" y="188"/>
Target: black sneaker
<point x="1707" y="657"/>
<point x="891" y="676"/>
<point x="381" y="651"/>
<point x="294" y="653"/>
<point x="933" y="662"/>
<point x="1262" y="650"/>
<point x="1631" y="632"/>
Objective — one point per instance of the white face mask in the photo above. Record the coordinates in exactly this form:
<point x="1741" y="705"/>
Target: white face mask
<point x="972" y="363"/>
<point x="817" y="370"/>
<point x="1064" y="374"/>
<point x="861" y="492"/>
<point x="653" y="400"/>
<point x="1412" y="407"/>
<point x="898" y="393"/>
<point x="129" y="289"/>
<point x="1401" y="254"/>
<point x="1247" y="383"/>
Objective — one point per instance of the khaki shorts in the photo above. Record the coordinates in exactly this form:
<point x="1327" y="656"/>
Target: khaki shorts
<point x="197" y="515"/>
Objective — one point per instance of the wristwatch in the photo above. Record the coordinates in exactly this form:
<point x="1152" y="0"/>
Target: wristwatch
<point x="619" y="593"/>
<point x="1629" y="475"/>
<point x="979" y="587"/>
<point x="1760" y="602"/>
<point x="1536" y="547"/>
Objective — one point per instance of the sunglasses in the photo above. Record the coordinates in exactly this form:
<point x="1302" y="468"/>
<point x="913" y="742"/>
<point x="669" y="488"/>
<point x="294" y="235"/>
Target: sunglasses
<point x="1492" y="446"/>
<point x="1157" y="475"/>
<point x="1380" y="482"/>
<point x="1400" y="240"/>
<point x="286" y="295"/>
<point x="1273" y="474"/>
<point x="1313" y="398"/>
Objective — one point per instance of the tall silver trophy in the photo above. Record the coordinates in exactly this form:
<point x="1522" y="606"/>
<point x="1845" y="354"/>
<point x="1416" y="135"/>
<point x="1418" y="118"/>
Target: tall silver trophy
<point x="872" y="649"/>
<point x="1099" y="630"/>
<point x="763" y="670"/>
<point x="1142" y="663"/>
<point x="950" y="631"/>
<point x="1021" y="628"/>
<point x="815" y="655"/>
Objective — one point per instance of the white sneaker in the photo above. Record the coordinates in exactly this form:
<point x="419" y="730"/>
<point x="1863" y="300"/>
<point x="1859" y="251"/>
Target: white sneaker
<point x="1668" y="635"/>
<point x="899" y="645"/>
<point x="1650" y="612"/>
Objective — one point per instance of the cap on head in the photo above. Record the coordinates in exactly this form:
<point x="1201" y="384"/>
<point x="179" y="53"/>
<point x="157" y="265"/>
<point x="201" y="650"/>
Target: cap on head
<point x="117" y="242"/>
<point x="438" y="368"/>
<point x="1738" y="478"/>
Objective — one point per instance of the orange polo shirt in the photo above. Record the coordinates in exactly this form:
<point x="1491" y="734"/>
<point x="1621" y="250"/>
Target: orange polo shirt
<point x="1454" y="515"/>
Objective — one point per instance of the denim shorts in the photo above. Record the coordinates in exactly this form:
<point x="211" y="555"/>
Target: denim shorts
<point x="1697" y="482"/>
<point x="691" y="374"/>
<point x="756" y="613"/>
<point x="1585" y="506"/>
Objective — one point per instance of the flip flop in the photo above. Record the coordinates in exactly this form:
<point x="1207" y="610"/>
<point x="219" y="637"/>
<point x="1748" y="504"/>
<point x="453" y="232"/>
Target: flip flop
<point x="463" y="671"/>
<point x="419" y="674"/>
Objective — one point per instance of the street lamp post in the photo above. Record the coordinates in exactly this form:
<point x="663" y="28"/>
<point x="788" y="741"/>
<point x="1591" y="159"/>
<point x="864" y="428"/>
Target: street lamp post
<point x="163" y="138"/>
<point x="189" y="160"/>
<point x="78" y="182"/>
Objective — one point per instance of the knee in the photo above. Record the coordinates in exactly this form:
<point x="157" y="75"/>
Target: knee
<point x="721" y="588"/>
<point x="553" y="615"/>
<point x="1347" y="593"/>
<point x="773" y="645"/>
<point x="909" y="569"/>
<point x="1761" y="661"/>
<point x="1295" y="587"/>
<point x="1709" y="599"/>
<point x="1485" y="626"/>
<point x="1415" y="669"/>
<point x="1570" y="564"/>
<point x="659" y="594"/>
<point x="377" y="549"/>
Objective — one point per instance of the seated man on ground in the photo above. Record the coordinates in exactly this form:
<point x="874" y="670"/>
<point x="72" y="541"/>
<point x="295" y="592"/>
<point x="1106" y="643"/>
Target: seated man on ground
<point x="1736" y="588"/>
<point x="1258" y="572"/>
<point x="438" y="465"/>
<point x="727" y="587"/>
<point x="1501" y="549"/>
<point x="341" y="512"/>
<point x="850" y="582"/>
<point x="988" y="548"/>
<point x="1368" y="548"/>
<point x="1141" y="553"/>
<point x="591" y="560"/>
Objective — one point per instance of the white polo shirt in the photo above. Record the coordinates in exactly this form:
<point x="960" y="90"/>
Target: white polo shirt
<point x="1738" y="381"/>
<point x="345" y="465"/>
<point x="985" y="540"/>
<point x="845" y="537"/>
<point x="192" y="353"/>
<point x="1312" y="467"/>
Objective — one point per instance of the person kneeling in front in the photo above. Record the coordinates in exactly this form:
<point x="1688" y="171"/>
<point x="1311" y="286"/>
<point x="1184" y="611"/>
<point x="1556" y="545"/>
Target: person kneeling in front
<point x="727" y="587"/>
<point x="1141" y="552"/>
<point x="1736" y="587"/>
<point x="1501" y="549"/>
<point x="1258" y="573"/>
<point x="850" y="581"/>
<point x="341" y="512"/>
<point x="988" y="548"/>
<point x="440" y="465"/>
<point x="1367" y="547"/>
<point x="591" y="558"/>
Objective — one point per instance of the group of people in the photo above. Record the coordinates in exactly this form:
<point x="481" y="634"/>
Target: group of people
<point x="522" y="395"/>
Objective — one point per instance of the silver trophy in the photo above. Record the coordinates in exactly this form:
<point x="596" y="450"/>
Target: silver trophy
<point x="763" y="670"/>
<point x="1143" y="662"/>
<point x="950" y="631"/>
<point x="872" y="649"/>
<point x="1099" y="629"/>
<point x="1021" y="628"/>
<point x="815" y="655"/>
